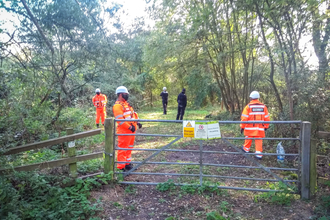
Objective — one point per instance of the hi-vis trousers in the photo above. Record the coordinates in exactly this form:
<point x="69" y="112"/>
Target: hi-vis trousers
<point x="126" y="142"/>
<point x="258" y="143"/>
<point x="100" y="113"/>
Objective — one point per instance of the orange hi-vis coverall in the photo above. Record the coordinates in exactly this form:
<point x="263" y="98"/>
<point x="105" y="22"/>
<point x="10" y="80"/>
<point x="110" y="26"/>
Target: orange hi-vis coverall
<point x="254" y="111"/>
<point x="123" y="110"/>
<point x="100" y="101"/>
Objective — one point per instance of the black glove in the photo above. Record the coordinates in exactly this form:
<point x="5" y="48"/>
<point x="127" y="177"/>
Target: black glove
<point x="242" y="129"/>
<point x="132" y="128"/>
<point x="139" y="124"/>
<point x="266" y="129"/>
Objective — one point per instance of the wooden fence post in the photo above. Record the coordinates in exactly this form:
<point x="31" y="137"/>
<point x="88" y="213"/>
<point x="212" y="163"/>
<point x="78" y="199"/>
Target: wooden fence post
<point x="305" y="160"/>
<point x="72" y="153"/>
<point x="108" y="161"/>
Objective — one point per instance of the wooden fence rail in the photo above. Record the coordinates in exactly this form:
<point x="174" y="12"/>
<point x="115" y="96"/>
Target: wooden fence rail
<point x="51" y="142"/>
<point x="73" y="158"/>
<point x="54" y="163"/>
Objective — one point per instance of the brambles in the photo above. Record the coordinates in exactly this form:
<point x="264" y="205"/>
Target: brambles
<point x="34" y="196"/>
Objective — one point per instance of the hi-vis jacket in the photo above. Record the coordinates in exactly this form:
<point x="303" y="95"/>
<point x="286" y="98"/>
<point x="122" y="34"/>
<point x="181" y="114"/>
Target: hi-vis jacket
<point x="100" y="101"/>
<point x="123" y="110"/>
<point x="255" y="111"/>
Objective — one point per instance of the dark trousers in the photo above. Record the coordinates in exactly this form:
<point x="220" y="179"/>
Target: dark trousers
<point x="165" y="107"/>
<point x="180" y="112"/>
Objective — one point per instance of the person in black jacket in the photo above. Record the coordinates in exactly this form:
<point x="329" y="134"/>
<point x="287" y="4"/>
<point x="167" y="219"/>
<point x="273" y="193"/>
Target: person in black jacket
<point x="182" y="103"/>
<point x="164" y="96"/>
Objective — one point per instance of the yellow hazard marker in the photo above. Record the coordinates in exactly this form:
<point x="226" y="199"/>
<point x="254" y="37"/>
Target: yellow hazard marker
<point x="188" y="129"/>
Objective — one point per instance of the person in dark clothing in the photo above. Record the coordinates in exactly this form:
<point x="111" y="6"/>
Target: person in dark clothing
<point x="182" y="103"/>
<point x="164" y="96"/>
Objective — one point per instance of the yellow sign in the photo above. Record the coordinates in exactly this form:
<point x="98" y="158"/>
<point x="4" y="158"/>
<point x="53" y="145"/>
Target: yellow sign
<point x="189" y="129"/>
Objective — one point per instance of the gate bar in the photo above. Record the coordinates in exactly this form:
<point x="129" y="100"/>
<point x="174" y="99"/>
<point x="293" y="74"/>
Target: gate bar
<point x="228" y="138"/>
<point x="220" y="122"/>
<point x="151" y="156"/>
<point x="219" y="187"/>
<point x="257" y="163"/>
<point x="215" y="176"/>
<point x="209" y="164"/>
<point x="200" y="162"/>
<point x="269" y="138"/>
<point x="157" y="135"/>
<point x="220" y="152"/>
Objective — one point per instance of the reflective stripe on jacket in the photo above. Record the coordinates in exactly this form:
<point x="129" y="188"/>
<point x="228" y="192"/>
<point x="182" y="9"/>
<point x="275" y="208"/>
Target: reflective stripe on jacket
<point x="100" y="101"/>
<point x="123" y="110"/>
<point x="255" y="111"/>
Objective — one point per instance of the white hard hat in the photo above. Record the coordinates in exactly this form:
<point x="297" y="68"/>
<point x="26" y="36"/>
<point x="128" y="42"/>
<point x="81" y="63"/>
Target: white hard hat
<point x="121" y="89"/>
<point x="164" y="88"/>
<point x="254" y="95"/>
<point x="97" y="90"/>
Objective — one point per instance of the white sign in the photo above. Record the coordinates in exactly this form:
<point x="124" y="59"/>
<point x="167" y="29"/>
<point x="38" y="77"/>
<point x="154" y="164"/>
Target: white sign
<point x="71" y="144"/>
<point x="213" y="130"/>
<point x="201" y="130"/>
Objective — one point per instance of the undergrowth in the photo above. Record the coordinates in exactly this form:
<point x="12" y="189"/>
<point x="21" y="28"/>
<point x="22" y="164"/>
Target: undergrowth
<point x="284" y="197"/>
<point x="29" y="195"/>
<point x="206" y="187"/>
<point x="322" y="210"/>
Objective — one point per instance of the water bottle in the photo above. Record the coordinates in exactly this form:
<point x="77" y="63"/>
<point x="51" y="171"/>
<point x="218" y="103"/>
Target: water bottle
<point x="280" y="150"/>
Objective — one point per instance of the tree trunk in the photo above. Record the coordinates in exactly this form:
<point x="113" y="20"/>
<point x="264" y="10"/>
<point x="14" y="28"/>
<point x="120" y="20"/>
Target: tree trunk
<point x="272" y="66"/>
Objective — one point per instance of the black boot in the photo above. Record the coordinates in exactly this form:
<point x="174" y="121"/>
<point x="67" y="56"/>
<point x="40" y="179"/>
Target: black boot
<point x="129" y="167"/>
<point x="97" y="125"/>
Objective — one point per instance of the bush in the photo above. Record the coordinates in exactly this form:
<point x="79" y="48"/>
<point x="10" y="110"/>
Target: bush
<point x="166" y="186"/>
<point x="33" y="196"/>
<point x="284" y="197"/>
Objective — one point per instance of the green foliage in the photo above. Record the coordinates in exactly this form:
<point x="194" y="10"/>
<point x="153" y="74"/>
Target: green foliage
<point x="285" y="197"/>
<point x="206" y="187"/>
<point x="189" y="189"/>
<point x="90" y="166"/>
<point x="224" y="206"/>
<point x="130" y="189"/>
<point x="322" y="210"/>
<point x="34" y="196"/>
<point x="210" y="188"/>
<point x="215" y="216"/>
<point x="166" y="186"/>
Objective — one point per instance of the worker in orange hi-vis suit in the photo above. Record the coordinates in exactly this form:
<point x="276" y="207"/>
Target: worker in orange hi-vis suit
<point x="100" y="102"/>
<point x="254" y="111"/>
<point x="123" y="110"/>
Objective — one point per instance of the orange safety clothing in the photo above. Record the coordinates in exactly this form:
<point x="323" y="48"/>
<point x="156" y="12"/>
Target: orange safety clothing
<point x="123" y="110"/>
<point x="100" y="102"/>
<point x="254" y="111"/>
<point x="248" y="143"/>
<point x="100" y="113"/>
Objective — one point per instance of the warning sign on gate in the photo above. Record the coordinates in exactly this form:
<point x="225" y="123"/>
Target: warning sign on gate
<point x="213" y="130"/>
<point x="188" y="129"/>
<point x="201" y="130"/>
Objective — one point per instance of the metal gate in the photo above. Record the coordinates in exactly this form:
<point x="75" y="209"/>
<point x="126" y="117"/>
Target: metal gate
<point x="302" y="169"/>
